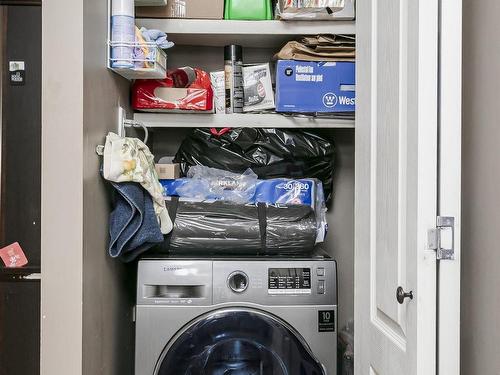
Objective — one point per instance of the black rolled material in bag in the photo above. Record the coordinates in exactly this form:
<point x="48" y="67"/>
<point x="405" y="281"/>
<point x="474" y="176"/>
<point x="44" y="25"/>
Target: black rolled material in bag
<point x="234" y="229"/>
<point x="270" y="153"/>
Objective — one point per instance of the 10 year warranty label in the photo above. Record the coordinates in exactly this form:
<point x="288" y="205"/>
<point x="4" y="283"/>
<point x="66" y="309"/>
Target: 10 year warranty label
<point x="326" y="321"/>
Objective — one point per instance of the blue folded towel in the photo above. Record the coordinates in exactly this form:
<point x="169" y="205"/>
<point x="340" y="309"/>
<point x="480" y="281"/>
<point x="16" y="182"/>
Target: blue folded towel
<point x="156" y="36"/>
<point x="133" y="226"/>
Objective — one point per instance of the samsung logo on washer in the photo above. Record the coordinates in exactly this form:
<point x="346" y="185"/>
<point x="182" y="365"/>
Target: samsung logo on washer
<point x="172" y="268"/>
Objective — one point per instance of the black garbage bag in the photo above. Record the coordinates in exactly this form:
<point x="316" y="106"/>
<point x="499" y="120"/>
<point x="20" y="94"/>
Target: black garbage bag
<point x="270" y="153"/>
<point x="237" y="229"/>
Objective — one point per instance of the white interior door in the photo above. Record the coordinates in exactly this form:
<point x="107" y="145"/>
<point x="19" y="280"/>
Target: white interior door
<point x="396" y="186"/>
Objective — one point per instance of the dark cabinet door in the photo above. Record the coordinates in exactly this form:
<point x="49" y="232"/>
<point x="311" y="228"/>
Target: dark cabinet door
<point x="20" y="149"/>
<point x="21" y="132"/>
<point x="19" y="327"/>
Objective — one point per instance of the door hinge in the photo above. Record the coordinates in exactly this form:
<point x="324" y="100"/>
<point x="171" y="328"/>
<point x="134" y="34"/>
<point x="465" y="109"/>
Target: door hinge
<point x="442" y="238"/>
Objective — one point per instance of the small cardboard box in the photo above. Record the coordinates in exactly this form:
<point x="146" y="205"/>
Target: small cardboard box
<point x="204" y="9"/>
<point x="219" y="89"/>
<point x="168" y="171"/>
<point x="258" y="88"/>
<point x="310" y="87"/>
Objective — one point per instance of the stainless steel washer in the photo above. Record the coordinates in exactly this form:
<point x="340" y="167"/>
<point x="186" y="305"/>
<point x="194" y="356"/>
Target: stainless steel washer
<point x="236" y="317"/>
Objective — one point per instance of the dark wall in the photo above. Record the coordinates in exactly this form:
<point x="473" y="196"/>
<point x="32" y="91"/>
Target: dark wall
<point x="21" y="134"/>
<point x="20" y="190"/>
<point x="20" y="2"/>
<point x="108" y="284"/>
<point x="19" y="327"/>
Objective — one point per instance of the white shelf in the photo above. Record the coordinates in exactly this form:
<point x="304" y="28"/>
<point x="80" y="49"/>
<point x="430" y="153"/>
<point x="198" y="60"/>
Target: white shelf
<point x="259" y="120"/>
<point x="217" y="33"/>
<point x="150" y="3"/>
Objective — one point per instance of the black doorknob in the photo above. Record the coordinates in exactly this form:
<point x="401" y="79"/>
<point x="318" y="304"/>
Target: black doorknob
<point x="401" y="295"/>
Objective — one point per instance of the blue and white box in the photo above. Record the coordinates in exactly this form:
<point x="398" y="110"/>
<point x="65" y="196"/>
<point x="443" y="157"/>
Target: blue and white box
<point x="309" y="87"/>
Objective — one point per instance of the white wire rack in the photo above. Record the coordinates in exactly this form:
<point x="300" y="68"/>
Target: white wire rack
<point x="153" y="65"/>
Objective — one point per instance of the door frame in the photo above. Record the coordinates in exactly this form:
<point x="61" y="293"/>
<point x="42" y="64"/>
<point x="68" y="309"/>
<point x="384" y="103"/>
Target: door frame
<point x="449" y="92"/>
<point x="449" y="182"/>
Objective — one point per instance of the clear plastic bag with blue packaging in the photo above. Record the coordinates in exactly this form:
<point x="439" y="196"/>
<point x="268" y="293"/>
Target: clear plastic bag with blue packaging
<point x="211" y="184"/>
<point x="204" y="183"/>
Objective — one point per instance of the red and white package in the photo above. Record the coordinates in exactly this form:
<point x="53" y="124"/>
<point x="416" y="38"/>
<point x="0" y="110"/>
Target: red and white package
<point x="13" y="256"/>
<point x="162" y="95"/>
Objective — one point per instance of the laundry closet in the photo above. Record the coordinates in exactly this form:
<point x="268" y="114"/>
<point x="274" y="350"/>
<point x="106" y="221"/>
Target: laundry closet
<point x="394" y="220"/>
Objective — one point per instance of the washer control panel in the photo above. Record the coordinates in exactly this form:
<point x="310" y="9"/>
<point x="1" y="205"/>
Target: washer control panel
<point x="259" y="281"/>
<point x="275" y="282"/>
<point x="289" y="281"/>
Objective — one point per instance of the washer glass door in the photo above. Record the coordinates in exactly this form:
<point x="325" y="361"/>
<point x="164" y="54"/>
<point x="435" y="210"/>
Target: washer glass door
<point x="238" y="341"/>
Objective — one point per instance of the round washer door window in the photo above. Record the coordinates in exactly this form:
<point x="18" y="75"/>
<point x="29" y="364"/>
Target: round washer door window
<point x="238" y="342"/>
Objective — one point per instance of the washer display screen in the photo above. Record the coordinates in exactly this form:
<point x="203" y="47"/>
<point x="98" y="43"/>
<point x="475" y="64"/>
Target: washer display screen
<point x="289" y="280"/>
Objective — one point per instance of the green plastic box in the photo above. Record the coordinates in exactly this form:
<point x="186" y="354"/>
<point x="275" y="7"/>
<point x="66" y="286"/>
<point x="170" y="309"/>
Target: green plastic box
<point x="248" y="10"/>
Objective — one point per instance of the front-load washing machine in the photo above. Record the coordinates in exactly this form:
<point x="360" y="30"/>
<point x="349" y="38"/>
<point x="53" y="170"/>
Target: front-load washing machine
<point x="266" y="316"/>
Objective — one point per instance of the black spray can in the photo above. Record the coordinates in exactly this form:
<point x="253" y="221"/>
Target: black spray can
<point x="233" y="63"/>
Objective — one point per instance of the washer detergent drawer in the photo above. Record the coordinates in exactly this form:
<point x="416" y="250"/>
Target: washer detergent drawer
<point x="174" y="283"/>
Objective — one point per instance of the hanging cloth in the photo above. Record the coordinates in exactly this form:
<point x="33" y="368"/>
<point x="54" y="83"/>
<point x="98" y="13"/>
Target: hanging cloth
<point x="129" y="160"/>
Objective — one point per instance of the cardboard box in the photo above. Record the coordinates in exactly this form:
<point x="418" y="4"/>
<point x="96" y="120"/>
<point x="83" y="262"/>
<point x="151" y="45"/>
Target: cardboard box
<point x="204" y="9"/>
<point x="310" y="87"/>
<point x="342" y="10"/>
<point x="258" y="88"/>
<point x="168" y="171"/>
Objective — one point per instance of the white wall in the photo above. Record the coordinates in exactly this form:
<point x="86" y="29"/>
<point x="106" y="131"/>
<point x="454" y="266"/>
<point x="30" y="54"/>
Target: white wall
<point x="62" y="190"/>
<point x="481" y="189"/>
<point x="87" y="297"/>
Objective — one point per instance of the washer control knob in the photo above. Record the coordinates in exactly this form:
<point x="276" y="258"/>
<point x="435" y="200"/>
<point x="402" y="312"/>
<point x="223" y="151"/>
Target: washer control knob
<point x="238" y="281"/>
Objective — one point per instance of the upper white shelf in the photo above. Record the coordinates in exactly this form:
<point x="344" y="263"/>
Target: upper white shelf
<point x="257" y="120"/>
<point x="263" y="34"/>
